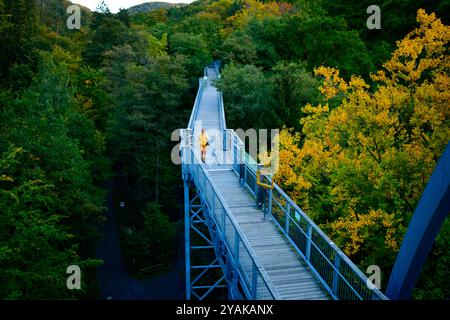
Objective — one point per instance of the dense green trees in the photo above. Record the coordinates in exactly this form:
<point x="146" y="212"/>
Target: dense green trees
<point x="81" y="107"/>
<point x="151" y="247"/>
<point x="397" y="19"/>
<point x="360" y="167"/>
<point x="52" y="111"/>
<point x="278" y="85"/>
<point x="142" y="123"/>
<point x="245" y="88"/>
<point x="19" y="24"/>
<point x="194" y="49"/>
<point x="327" y="42"/>
<point x="238" y="48"/>
<point x="147" y="87"/>
<point x="293" y="86"/>
<point x="110" y="32"/>
<point x="255" y="99"/>
<point x="48" y="201"/>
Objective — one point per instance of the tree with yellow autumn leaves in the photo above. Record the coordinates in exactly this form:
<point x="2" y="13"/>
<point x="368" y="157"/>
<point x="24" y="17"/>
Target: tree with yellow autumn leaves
<point x="365" y="154"/>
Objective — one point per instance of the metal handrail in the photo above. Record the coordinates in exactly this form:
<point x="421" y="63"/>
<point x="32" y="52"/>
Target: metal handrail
<point x="202" y="83"/>
<point x="260" y="269"/>
<point x="341" y="278"/>
<point x="223" y="121"/>
<point x="376" y="293"/>
<point x="342" y="255"/>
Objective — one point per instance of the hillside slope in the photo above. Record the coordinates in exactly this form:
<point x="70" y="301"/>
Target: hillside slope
<point x="149" y="6"/>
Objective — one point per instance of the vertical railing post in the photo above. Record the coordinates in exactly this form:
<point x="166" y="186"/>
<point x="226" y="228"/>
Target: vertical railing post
<point x="235" y="153"/>
<point x="259" y="192"/>
<point x="241" y="174"/>
<point x="236" y="247"/>
<point x="196" y="166"/>
<point x="182" y="153"/>
<point x="288" y="218"/>
<point x="204" y="185"/>
<point x="213" y="209"/>
<point x="337" y="262"/>
<point x="232" y="147"/>
<point x="308" y="243"/>
<point x="269" y="209"/>
<point x="263" y="202"/>
<point x="187" y="240"/>
<point x="254" y="281"/>
<point x="236" y="260"/>
<point x="258" y="196"/>
<point x="223" y="222"/>
<point x="224" y="132"/>
<point x="264" y="194"/>
<point x="185" y="153"/>
<point x="225" y="145"/>
<point x="244" y="179"/>
<point x="241" y="161"/>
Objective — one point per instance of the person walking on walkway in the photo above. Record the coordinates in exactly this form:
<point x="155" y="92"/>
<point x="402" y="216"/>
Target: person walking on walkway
<point x="203" y="144"/>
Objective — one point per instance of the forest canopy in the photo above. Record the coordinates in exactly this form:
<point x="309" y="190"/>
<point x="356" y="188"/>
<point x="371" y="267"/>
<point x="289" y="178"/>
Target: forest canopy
<point x="89" y="113"/>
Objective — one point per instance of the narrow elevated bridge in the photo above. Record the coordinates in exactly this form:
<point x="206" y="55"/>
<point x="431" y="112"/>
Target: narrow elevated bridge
<point x="264" y="246"/>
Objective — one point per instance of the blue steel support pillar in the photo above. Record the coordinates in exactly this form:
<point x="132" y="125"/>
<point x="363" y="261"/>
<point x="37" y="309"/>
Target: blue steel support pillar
<point x="187" y="239"/>
<point x="430" y="214"/>
<point x="201" y="224"/>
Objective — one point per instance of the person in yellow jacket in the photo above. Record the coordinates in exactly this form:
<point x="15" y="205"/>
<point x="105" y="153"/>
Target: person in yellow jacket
<point x="203" y="144"/>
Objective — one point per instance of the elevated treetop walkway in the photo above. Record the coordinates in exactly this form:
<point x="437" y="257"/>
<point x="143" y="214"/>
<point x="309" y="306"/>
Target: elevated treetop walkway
<point x="267" y="249"/>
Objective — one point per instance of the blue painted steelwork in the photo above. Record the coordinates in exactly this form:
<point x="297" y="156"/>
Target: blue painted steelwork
<point x="244" y="275"/>
<point x="430" y="214"/>
<point x="187" y="238"/>
<point x="201" y="87"/>
<point x="200" y="286"/>
<point x="194" y="216"/>
<point x="341" y="277"/>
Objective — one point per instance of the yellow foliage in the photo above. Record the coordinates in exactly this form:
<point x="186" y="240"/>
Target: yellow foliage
<point x="353" y="227"/>
<point x="258" y="10"/>
<point x="221" y="7"/>
<point x="424" y="49"/>
<point x="62" y="56"/>
<point x="333" y="83"/>
<point x="359" y="168"/>
<point x="6" y="178"/>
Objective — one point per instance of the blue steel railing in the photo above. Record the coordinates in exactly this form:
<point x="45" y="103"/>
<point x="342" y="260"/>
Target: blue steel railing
<point x="216" y="65"/>
<point x="338" y="274"/>
<point x="223" y="124"/>
<point x="201" y="88"/>
<point x="253" y="279"/>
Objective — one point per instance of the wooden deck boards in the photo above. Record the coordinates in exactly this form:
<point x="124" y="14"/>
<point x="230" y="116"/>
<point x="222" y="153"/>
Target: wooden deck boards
<point x="290" y="275"/>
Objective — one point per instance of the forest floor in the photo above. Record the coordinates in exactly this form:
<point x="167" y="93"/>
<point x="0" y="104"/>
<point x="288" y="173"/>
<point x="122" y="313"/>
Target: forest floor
<point x="114" y="280"/>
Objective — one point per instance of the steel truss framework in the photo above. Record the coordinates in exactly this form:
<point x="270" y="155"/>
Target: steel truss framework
<point x="425" y="224"/>
<point x="200" y="225"/>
